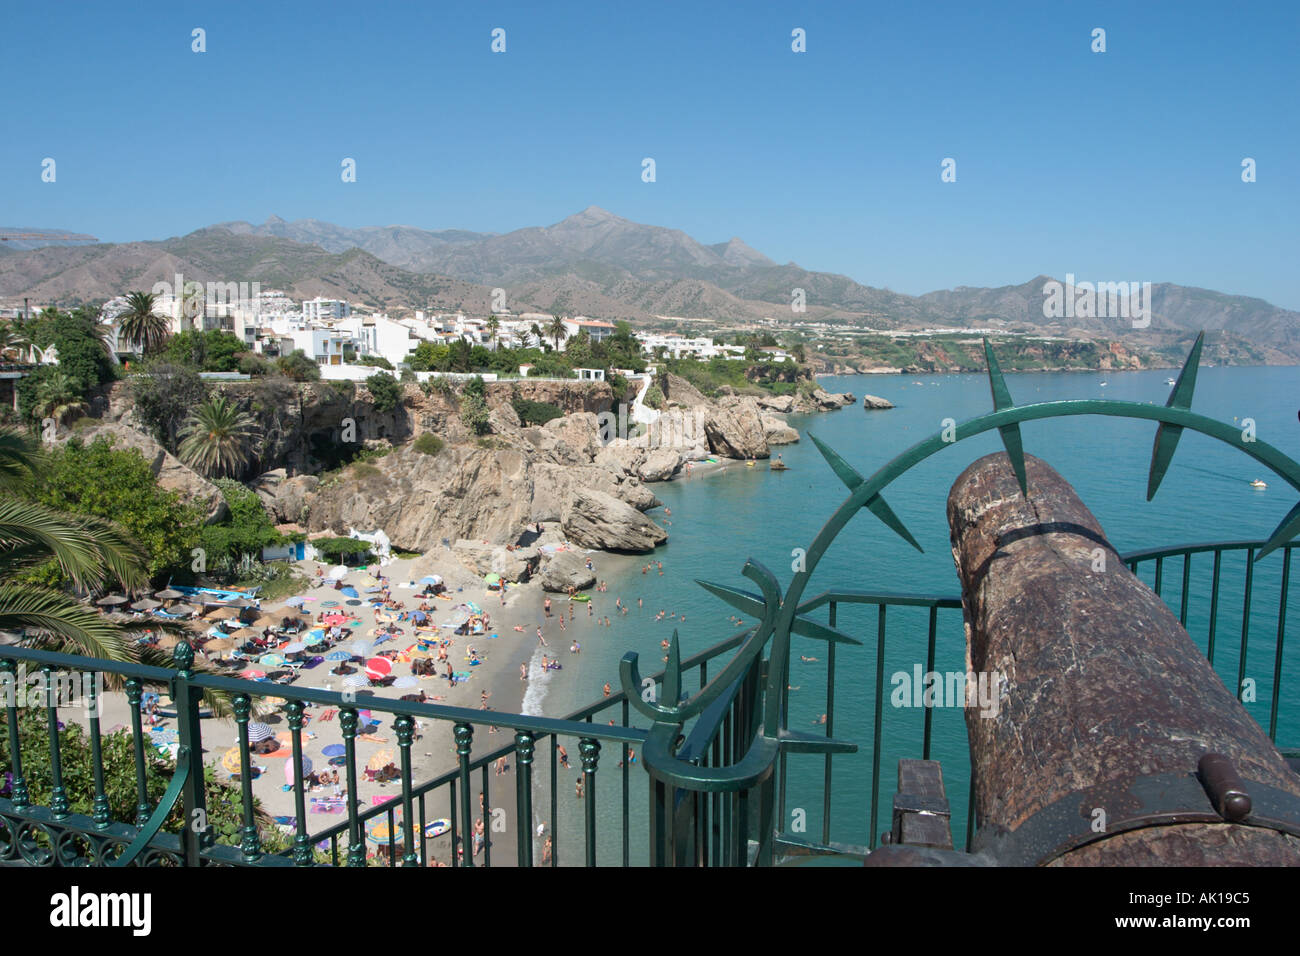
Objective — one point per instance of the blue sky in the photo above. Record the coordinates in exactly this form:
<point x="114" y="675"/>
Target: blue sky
<point x="1115" y="166"/>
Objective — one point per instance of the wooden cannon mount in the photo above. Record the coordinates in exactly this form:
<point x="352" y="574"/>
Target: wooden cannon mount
<point x="1114" y="742"/>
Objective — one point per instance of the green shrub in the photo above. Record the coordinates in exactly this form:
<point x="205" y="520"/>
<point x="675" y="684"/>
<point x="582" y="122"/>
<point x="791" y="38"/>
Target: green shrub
<point x="428" y="444"/>
<point x="654" y="398"/>
<point x="535" y="413"/>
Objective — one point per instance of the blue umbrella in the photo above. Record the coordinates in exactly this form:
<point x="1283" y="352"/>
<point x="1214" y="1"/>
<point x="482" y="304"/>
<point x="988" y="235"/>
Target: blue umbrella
<point x="349" y="591"/>
<point x="296" y="601"/>
<point x="334" y="750"/>
<point x="338" y="656"/>
<point x="419" y="616"/>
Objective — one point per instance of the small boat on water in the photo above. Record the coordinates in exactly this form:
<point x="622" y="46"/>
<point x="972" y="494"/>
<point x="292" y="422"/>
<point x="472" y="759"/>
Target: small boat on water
<point x="1258" y="483"/>
<point x="1170" y="381"/>
<point x="779" y="466"/>
<point x="1104" y="384"/>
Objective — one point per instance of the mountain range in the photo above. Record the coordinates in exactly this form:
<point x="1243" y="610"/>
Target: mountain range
<point x="601" y="265"/>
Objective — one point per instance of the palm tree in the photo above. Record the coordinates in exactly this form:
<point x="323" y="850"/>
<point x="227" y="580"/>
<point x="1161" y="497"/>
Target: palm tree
<point x="557" y="331"/>
<point x="535" y="331"/>
<point x="13" y="339"/>
<point x="139" y="325"/>
<point x="91" y="552"/>
<point x="493" y="324"/>
<point x="58" y="397"/>
<point x="217" y="437"/>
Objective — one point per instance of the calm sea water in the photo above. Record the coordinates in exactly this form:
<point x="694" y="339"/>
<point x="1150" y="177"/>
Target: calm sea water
<point x="719" y="520"/>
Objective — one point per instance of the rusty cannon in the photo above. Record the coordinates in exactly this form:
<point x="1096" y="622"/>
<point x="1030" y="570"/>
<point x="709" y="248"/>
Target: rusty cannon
<point x="1113" y="741"/>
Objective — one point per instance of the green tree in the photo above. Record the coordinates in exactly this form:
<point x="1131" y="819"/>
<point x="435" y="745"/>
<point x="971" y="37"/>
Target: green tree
<point x="210" y="351"/>
<point x="427" y="357"/>
<point x="217" y="437"/>
<point x="104" y="482"/>
<point x="58" y="397"/>
<point x="163" y="396"/>
<point x="139" y="325"/>
<point x="299" y="366"/>
<point x="241" y="536"/>
<point x="386" y="390"/>
<point x="493" y="326"/>
<point x="473" y="406"/>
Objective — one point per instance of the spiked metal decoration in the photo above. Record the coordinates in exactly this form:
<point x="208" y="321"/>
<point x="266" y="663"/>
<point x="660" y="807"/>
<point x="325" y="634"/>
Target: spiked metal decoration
<point x="1010" y="433"/>
<point x="1162" y="452"/>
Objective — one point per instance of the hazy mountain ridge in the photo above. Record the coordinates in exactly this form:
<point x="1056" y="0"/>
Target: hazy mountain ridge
<point x="599" y="264"/>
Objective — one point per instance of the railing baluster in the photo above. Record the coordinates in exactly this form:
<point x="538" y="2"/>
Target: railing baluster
<point x="1214" y="605"/>
<point x="1245" y="622"/>
<point x="929" y="669"/>
<point x="626" y="769"/>
<point x="1160" y="570"/>
<point x="134" y="697"/>
<point x="555" y="773"/>
<point x="186" y="698"/>
<point x="875" y="745"/>
<point x="589" y="750"/>
<point x="58" y="796"/>
<point x="250" y="842"/>
<point x="486" y="800"/>
<point x="453" y="815"/>
<point x="90" y="688"/>
<point x="17" y="784"/>
<point x="301" y="845"/>
<point x="424" y="842"/>
<point x="1281" y="636"/>
<point x="1182" y="604"/>
<point x="464" y="734"/>
<point x="404" y="725"/>
<point x="524" y="747"/>
<point x="356" y="839"/>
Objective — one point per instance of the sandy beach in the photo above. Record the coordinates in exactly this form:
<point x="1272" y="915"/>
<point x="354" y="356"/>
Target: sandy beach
<point x="502" y="650"/>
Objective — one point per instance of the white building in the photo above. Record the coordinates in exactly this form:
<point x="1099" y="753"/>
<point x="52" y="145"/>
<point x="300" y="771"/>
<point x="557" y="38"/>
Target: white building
<point x="380" y="336"/>
<point x="319" y="309"/>
<point x="596" y="330"/>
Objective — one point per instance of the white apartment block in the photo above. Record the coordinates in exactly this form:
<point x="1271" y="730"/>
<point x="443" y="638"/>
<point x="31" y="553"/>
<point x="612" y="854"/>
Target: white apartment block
<point x="324" y="310"/>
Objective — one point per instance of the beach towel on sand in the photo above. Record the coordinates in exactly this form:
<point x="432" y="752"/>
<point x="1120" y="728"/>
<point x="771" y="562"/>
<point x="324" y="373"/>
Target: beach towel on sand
<point x="328" y="805"/>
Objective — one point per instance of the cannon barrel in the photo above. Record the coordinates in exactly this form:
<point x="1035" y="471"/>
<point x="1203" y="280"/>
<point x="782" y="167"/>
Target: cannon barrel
<point x="1111" y="739"/>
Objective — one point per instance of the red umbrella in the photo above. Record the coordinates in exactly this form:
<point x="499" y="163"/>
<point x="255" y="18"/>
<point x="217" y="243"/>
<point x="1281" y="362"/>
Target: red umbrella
<point x="378" y="667"/>
<point x="251" y="674"/>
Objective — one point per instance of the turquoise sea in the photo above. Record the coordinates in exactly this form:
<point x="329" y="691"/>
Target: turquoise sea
<point x="719" y="520"/>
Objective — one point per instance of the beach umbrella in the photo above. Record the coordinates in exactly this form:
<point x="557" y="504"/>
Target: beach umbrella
<point x="258" y="731"/>
<point x="251" y="674"/>
<point x="224" y="613"/>
<point x="334" y="750"/>
<point x="271" y="660"/>
<point x="361" y="648"/>
<point x="338" y="572"/>
<point x="288" y="768"/>
<point x="492" y="579"/>
<point x="329" y="603"/>
<point x="473" y="608"/>
<point x="296" y="601"/>
<point x="112" y="600"/>
<point x="373" y="590"/>
<point x="349" y="591"/>
<point x="267" y="618"/>
<point x="380" y="760"/>
<point x="294" y="647"/>
<point x="218" y="644"/>
<point x="354" y="603"/>
<point x="379" y="667"/>
<point x="168" y="594"/>
<point x="182" y="609"/>
<point x="245" y="634"/>
<point x="419" y="616"/>
<point x="356" y="680"/>
<point x="338" y="656"/>
<point x="147" y="604"/>
<point x="406" y="682"/>
<point x="431" y="579"/>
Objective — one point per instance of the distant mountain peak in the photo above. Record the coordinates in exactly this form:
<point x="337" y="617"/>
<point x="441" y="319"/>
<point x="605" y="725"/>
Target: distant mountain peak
<point x="274" y="220"/>
<point x="591" y="215"/>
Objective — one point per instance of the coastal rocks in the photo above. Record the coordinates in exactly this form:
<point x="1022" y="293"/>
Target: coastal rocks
<point x="573" y="439"/>
<point x="678" y="391"/>
<point x="653" y="464"/>
<point x="170" y="472"/>
<point x="785" y="404"/>
<point x="660" y="464"/>
<point x="553" y="485"/>
<point x="595" y="519"/>
<point x="566" y="569"/>
<point x="569" y="397"/>
<point x="827" y="401"/>
<point x="289" y="498"/>
<point x="777" y="432"/>
<point x="735" y="430"/>
<point x="513" y="564"/>
<point x="870" y="402"/>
